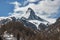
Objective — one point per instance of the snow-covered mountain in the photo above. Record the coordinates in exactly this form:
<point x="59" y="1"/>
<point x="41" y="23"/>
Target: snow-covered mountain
<point x="29" y="19"/>
<point x="33" y="18"/>
<point x="30" y="15"/>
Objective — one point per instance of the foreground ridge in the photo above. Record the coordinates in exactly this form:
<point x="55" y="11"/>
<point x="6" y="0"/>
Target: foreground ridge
<point x="21" y="32"/>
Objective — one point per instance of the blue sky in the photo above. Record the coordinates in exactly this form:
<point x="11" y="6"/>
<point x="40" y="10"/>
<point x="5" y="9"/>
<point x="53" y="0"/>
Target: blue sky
<point x="5" y="7"/>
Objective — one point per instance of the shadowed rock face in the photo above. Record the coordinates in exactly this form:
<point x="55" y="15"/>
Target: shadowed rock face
<point x="17" y="29"/>
<point x="42" y="26"/>
<point x="28" y="24"/>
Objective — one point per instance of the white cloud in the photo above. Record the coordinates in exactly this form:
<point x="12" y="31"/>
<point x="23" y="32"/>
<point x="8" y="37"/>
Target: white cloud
<point x="16" y="4"/>
<point x="47" y="6"/>
<point x="32" y="0"/>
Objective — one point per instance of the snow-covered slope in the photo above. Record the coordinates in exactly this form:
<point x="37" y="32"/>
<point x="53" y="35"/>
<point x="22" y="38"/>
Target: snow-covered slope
<point x="36" y="22"/>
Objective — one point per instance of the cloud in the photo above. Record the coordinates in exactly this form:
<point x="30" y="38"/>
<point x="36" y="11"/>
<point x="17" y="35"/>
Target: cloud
<point x="16" y="4"/>
<point x="44" y="8"/>
<point x="32" y="0"/>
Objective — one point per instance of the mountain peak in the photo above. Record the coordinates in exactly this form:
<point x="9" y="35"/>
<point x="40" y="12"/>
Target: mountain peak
<point x="30" y="10"/>
<point x="33" y="16"/>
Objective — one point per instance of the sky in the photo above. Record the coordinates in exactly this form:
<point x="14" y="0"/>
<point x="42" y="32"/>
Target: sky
<point x="46" y="9"/>
<point x="5" y="7"/>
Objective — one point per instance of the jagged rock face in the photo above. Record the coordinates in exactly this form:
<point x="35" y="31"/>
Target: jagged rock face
<point x="57" y="23"/>
<point x="28" y="24"/>
<point x="32" y="14"/>
<point x="42" y="26"/>
<point x="13" y="18"/>
<point x="58" y="20"/>
<point x="4" y="21"/>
